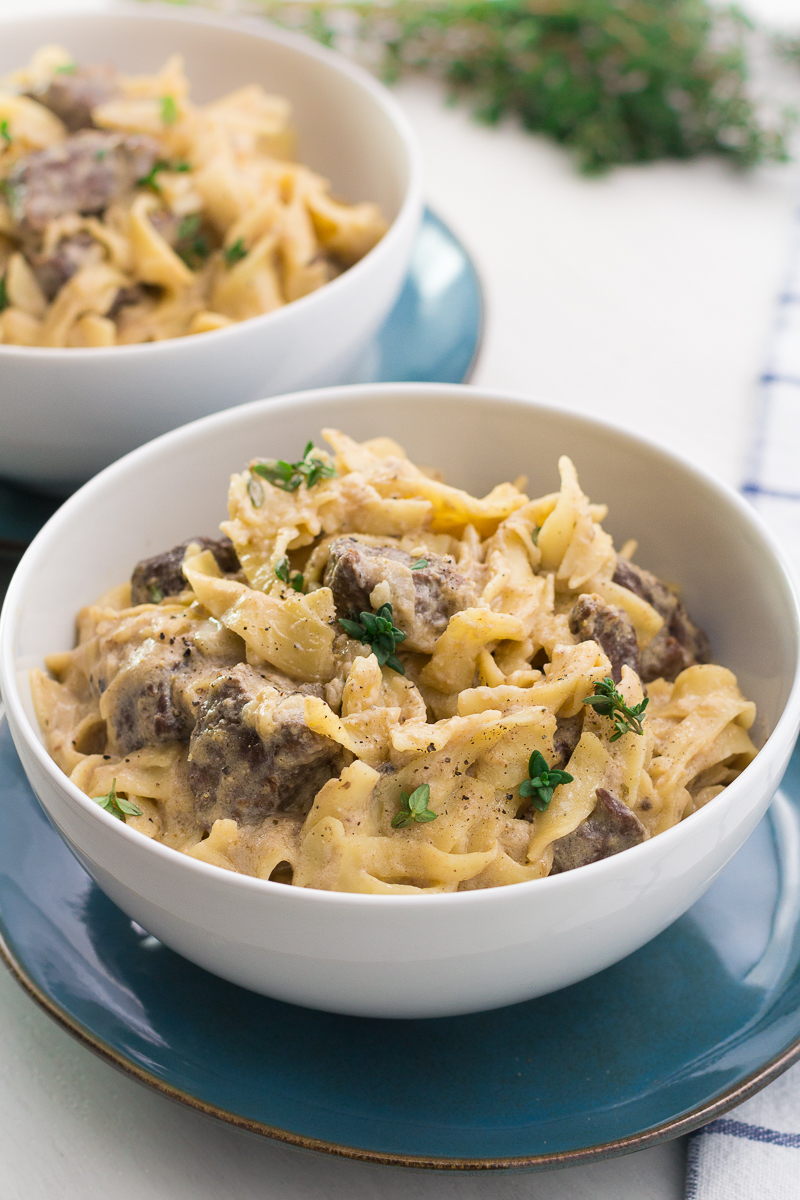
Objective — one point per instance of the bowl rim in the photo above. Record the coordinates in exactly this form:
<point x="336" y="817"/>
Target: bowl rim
<point x="780" y="738"/>
<point x="262" y="29"/>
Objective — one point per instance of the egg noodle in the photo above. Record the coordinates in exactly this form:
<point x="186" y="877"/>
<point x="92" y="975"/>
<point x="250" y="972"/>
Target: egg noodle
<point x="305" y="760"/>
<point x="129" y="214"/>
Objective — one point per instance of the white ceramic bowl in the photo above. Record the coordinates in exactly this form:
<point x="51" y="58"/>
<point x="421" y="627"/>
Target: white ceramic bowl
<point x="415" y="955"/>
<point x="65" y="414"/>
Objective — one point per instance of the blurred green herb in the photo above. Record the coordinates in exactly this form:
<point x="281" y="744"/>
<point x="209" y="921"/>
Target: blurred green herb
<point x="378" y="631"/>
<point x="414" y="808"/>
<point x="5" y="133"/>
<point x="116" y="805"/>
<point x="169" y="110"/>
<point x="66" y="69"/>
<point x="419" y="565"/>
<point x="616" y="81"/>
<point x="283" y="572"/>
<point x="3" y="293"/>
<point x="235" y="252"/>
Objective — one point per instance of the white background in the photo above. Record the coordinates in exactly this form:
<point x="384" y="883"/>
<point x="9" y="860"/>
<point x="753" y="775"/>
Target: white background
<point x="647" y="294"/>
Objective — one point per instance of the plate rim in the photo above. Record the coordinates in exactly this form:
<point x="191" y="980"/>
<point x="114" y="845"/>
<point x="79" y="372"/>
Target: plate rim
<point x="665" y="1131"/>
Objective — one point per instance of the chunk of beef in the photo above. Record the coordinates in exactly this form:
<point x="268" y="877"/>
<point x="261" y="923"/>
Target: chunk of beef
<point x="53" y="270"/>
<point x="566" y="737"/>
<point x="609" y="828"/>
<point x="592" y="620"/>
<point x="154" y="578"/>
<point x="240" y="771"/>
<point x="679" y="643"/>
<point x="72" y="95"/>
<point x="128" y="296"/>
<point x="83" y="174"/>
<point x="423" y="601"/>
<point x="155" y="692"/>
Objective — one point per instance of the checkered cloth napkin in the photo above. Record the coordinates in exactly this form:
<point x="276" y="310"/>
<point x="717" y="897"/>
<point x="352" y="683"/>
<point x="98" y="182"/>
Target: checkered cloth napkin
<point x="753" y="1153"/>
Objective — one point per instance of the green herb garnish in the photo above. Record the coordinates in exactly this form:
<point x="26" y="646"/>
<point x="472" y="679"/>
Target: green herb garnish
<point x="283" y="572"/>
<point x="3" y="293"/>
<point x="289" y="476"/>
<point x="537" y="529"/>
<point x="419" y="565"/>
<point x="542" y="781"/>
<point x="181" y="167"/>
<point x="195" y="253"/>
<point x="236" y="252"/>
<point x="189" y="226"/>
<point x="149" y="180"/>
<point x="156" y="593"/>
<point x="5" y="133"/>
<point x="378" y="631"/>
<point x="414" y="808"/>
<point x="169" y="110"/>
<point x="256" y="492"/>
<point x="100" y="155"/>
<point x="116" y="805"/>
<point x="607" y="701"/>
<point x="615" y="81"/>
<point x="66" y="69"/>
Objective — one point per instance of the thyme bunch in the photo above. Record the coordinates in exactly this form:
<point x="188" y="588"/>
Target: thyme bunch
<point x="615" y="81"/>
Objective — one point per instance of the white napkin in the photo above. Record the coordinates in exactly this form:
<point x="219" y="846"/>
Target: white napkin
<point x="753" y="1153"/>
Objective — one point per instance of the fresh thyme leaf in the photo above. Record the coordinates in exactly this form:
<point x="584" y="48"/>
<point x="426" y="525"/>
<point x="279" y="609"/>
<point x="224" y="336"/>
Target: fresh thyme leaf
<point x="169" y="110"/>
<point x="3" y="293"/>
<point x="283" y="572"/>
<point x="608" y="702"/>
<point x="414" y="808"/>
<point x="537" y="529"/>
<point x="256" y="492"/>
<point x="612" y="80"/>
<point x="149" y="180"/>
<point x="189" y="226"/>
<point x="156" y="594"/>
<point x="419" y="565"/>
<point x="235" y="252"/>
<point x="197" y="251"/>
<point x="116" y="805"/>
<point x="5" y="133"/>
<point x="289" y="476"/>
<point x="378" y="631"/>
<point x="66" y="69"/>
<point x="181" y="166"/>
<point x="542" y="781"/>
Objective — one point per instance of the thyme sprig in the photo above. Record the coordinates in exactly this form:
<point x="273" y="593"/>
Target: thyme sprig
<point x="542" y="781"/>
<point x="289" y="476"/>
<point x="414" y="808"/>
<point x="117" y="805"/>
<point x="378" y="631"/>
<point x="169" y="110"/>
<point x="615" y="81"/>
<point x="5" y="133"/>
<point x="235" y="253"/>
<point x="283" y="572"/>
<point x="608" y="702"/>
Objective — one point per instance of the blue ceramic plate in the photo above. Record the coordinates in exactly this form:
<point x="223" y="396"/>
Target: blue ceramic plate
<point x="432" y="335"/>
<point x="682" y="1030"/>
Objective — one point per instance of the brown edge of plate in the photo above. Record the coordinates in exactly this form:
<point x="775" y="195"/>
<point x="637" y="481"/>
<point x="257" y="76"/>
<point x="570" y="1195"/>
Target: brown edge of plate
<point x="667" y="1130"/>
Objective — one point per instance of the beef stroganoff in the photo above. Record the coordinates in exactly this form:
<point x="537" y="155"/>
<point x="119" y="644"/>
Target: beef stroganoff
<point x="376" y="682"/>
<point x="129" y="214"/>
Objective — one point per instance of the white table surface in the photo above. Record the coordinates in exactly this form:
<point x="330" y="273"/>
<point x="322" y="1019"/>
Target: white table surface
<point x="648" y="295"/>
